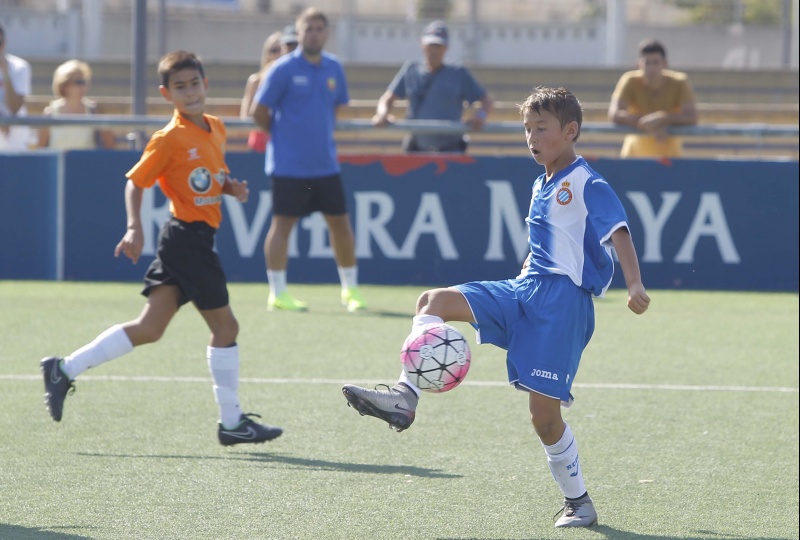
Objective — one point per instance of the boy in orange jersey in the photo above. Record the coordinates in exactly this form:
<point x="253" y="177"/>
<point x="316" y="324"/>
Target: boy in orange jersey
<point x="187" y="159"/>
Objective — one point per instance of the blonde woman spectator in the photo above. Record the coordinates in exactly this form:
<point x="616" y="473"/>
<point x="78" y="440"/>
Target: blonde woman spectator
<point x="271" y="51"/>
<point x="70" y="85"/>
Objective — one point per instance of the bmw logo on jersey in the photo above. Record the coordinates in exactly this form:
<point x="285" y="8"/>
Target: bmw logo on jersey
<point x="200" y="180"/>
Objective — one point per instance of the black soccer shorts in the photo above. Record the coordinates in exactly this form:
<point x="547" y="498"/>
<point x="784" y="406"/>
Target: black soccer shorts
<point x="186" y="258"/>
<point x="303" y="196"/>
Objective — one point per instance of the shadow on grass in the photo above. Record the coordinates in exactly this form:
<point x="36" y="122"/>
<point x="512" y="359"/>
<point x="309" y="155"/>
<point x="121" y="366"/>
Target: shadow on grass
<point x="15" y="532"/>
<point x="369" y="312"/>
<point x="297" y="462"/>
<point x="604" y="531"/>
<point x="349" y="467"/>
<point x="377" y="313"/>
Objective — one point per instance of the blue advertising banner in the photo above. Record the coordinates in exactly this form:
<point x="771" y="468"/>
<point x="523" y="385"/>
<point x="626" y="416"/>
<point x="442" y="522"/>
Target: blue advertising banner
<point x="29" y="216"/>
<point x="436" y="220"/>
<point x="96" y="220"/>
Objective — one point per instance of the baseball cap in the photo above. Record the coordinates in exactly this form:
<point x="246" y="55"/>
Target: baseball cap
<point x="289" y="35"/>
<point x="435" y="32"/>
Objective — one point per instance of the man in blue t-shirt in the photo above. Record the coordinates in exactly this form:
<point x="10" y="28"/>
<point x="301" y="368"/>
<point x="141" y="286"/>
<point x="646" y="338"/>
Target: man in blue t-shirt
<point x="297" y="103"/>
<point x="435" y="91"/>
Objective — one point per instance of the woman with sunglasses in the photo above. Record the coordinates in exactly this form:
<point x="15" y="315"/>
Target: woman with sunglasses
<point x="70" y="85"/>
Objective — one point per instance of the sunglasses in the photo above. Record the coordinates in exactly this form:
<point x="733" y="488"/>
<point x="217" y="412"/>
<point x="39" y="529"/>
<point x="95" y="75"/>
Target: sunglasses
<point x="78" y="82"/>
<point x="274" y="50"/>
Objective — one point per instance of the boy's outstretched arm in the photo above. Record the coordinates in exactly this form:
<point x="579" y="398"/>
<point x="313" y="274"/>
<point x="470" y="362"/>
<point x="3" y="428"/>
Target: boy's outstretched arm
<point x="133" y="240"/>
<point x="638" y="301"/>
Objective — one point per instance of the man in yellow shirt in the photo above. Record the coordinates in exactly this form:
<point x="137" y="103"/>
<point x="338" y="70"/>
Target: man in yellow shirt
<point x="651" y="99"/>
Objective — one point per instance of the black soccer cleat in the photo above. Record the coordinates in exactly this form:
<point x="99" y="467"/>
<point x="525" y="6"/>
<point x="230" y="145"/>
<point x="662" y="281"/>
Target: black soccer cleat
<point x="56" y="386"/>
<point x="247" y="431"/>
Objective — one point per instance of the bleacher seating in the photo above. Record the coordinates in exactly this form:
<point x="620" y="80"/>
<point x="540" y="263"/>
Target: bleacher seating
<point x="724" y="97"/>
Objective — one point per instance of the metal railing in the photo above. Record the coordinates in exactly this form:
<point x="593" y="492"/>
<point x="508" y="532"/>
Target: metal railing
<point x="417" y="126"/>
<point x="758" y="131"/>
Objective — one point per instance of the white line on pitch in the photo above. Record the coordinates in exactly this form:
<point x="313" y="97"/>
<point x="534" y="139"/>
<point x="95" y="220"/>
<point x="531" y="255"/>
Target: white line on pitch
<point x="609" y="386"/>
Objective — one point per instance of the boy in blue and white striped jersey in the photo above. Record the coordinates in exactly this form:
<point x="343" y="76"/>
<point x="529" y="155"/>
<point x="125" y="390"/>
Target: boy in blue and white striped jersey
<point x="544" y="317"/>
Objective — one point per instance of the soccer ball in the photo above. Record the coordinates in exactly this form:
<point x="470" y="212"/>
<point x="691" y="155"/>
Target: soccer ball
<point x="436" y="360"/>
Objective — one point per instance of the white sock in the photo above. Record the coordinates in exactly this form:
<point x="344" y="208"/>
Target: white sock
<point x="564" y="463"/>
<point x="111" y="344"/>
<point x="223" y="363"/>
<point x="277" y="281"/>
<point x="405" y="380"/>
<point x="348" y="277"/>
<point x="417" y="325"/>
<point x="420" y="321"/>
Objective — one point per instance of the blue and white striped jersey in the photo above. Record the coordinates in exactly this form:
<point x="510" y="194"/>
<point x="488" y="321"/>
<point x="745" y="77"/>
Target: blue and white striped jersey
<point x="570" y="222"/>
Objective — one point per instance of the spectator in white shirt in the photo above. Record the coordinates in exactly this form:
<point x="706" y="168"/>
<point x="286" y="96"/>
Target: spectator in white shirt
<point x="15" y="85"/>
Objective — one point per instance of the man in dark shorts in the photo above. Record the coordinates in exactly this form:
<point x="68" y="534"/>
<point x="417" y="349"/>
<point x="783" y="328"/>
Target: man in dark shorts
<point x="297" y="103"/>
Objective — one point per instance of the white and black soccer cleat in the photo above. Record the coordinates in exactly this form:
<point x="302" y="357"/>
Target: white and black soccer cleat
<point x="56" y="386"/>
<point x="247" y="431"/>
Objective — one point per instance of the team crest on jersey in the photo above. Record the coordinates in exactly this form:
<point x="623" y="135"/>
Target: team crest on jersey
<point x="200" y="180"/>
<point x="331" y="84"/>
<point x="564" y="195"/>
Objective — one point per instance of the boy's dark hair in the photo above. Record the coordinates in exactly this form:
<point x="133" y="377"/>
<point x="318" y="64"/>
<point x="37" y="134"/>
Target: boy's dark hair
<point x="651" y="46"/>
<point x="559" y="102"/>
<point x="175" y="61"/>
<point x="2" y="30"/>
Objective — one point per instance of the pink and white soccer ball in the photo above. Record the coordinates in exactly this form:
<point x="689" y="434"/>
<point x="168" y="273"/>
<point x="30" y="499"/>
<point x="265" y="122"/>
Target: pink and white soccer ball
<point x="437" y="359"/>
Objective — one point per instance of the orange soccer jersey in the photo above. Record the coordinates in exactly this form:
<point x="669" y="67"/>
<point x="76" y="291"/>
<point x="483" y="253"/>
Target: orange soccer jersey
<point x="189" y="165"/>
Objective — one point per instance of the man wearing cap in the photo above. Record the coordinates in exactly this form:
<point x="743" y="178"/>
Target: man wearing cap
<point x="288" y="39"/>
<point x="435" y="91"/>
